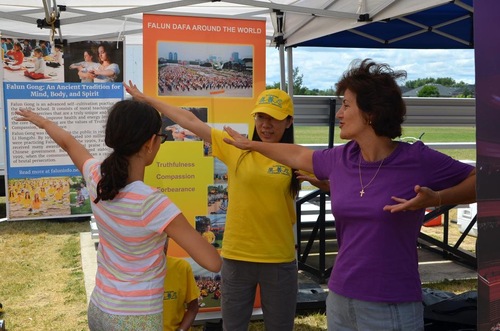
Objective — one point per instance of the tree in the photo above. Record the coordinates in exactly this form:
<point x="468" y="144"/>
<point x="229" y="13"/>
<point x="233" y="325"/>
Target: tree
<point x="412" y="84"/>
<point x="275" y="85"/>
<point x="428" y="91"/>
<point x="466" y="93"/>
<point x="446" y="81"/>
<point x="298" y="89"/>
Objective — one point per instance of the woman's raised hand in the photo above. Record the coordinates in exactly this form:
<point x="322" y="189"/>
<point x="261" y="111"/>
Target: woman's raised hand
<point x="132" y="89"/>
<point x="238" y="140"/>
<point x="30" y="116"/>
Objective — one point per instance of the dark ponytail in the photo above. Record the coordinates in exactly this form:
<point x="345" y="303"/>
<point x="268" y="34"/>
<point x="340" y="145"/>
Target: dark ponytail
<point x="130" y="124"/>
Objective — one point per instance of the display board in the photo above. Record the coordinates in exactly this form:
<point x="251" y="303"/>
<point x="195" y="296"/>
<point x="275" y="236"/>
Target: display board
<point x="61" y="83"/>
<point x="215" y="68"/>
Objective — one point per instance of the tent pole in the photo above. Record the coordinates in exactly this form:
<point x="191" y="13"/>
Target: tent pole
<point x="281" y="49"/>
<point x="289" y="63"/>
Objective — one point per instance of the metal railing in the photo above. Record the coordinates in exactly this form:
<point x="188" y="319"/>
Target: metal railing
<point x="448" y="250"/>
<point x="317" y="111"/>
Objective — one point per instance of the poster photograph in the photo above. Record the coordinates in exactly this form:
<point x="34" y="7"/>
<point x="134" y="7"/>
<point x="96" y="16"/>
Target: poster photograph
<point x="175" y="132"/>
<point x="32" y="60"/>
<point x="201" y="69"/>
<point x="215" y="68"/>
<point x="94" y="62"/>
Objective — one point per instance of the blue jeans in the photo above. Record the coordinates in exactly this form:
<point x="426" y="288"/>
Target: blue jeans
<point x="278" y="293"/>
<point x="345" y="314"/>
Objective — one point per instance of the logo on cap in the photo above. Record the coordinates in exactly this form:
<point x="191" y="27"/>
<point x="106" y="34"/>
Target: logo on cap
<point x="270" y="99"/>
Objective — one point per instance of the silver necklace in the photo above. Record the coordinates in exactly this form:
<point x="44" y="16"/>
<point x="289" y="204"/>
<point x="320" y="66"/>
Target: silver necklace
<point x="362" y="192"/>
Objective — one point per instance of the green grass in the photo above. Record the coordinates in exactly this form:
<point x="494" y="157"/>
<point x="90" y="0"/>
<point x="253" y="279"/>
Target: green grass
<point x="70" y="254"/>
<point x="41" y="275"/>
<point x="442" y="134"/>
<point x="319" y="135"/>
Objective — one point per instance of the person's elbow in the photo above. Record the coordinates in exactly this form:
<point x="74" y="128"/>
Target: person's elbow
<point x="215" y="264"/>
<point x="471" y="189"/>
<point x="193" y="306"/>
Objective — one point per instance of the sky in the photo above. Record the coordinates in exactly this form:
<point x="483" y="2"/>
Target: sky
<point x="200" y="51"/>
<point x="322" y="67"/>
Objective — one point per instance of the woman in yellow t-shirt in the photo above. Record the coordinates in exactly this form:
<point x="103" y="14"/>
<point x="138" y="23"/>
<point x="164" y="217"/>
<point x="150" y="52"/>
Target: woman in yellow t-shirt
<point x="262" y="204"/>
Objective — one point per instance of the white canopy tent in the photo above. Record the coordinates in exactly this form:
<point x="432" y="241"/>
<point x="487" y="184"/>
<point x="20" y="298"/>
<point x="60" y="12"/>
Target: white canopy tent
<point x="304" y="19"/>
<point x="288" y="22"/>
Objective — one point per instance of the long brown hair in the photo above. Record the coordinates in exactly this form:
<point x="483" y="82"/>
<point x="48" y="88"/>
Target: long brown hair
<point x="377" y="94"/>
<point x="130" y="124"/>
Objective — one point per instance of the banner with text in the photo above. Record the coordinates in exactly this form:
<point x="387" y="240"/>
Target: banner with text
<point x="215" y="68"/>
<point x="73" y="85"/>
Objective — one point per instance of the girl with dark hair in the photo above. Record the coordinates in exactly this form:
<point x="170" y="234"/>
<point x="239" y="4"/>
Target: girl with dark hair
<point x="39" y="64"/>
<point x="108" y="71"/>
<point x="375" y="284"/>
<point x="134" y="219"/>
<point x="17" y="54"/>
<point x="27" y="49"/>
<point x="86" y="66"/>
<point x="258" y="246"/>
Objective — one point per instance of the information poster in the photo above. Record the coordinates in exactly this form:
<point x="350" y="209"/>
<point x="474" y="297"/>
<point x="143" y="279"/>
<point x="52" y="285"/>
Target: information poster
<point x="215" y="68"/>
<point x="73" y="85"/>
<point x="42" y="180"/>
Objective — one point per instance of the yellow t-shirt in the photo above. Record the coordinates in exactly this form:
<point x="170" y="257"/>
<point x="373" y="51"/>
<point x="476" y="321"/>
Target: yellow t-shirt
<point x="261" y="210"/>
<point x="180" y="289"/>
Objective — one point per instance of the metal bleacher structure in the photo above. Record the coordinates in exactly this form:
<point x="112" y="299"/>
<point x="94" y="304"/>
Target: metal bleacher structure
<point x="316" y="237"/>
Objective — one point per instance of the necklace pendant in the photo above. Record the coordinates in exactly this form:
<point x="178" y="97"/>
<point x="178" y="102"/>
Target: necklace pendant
<point x="362" y="192"/>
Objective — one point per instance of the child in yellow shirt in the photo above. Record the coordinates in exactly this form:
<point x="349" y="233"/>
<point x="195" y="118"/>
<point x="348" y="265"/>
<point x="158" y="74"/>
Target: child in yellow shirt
<point x="180" y="297"/>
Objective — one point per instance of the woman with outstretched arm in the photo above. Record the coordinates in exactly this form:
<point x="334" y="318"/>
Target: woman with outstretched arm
<point x="258" y="247"/>
<point x="134" y="219"/>
<point x="375" y="284"/>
